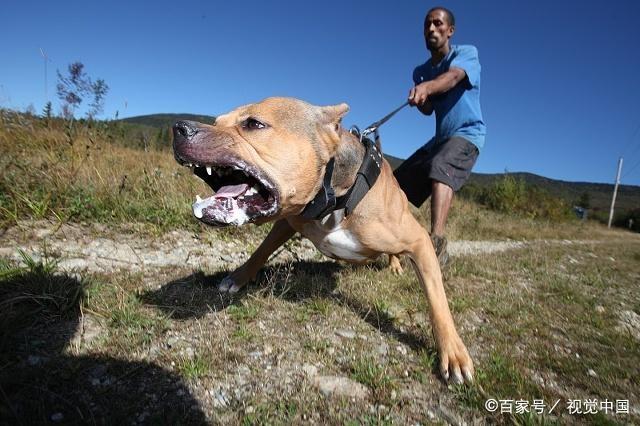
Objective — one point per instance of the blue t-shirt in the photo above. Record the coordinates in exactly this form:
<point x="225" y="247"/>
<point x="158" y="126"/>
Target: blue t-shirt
<point x="458" y="110"/>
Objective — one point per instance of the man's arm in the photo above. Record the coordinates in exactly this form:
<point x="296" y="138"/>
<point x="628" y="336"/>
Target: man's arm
<point x="441" y="84"/>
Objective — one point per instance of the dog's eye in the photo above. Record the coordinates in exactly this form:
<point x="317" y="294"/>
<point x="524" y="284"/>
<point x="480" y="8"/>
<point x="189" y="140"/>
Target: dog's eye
<point x="253" y="124"/>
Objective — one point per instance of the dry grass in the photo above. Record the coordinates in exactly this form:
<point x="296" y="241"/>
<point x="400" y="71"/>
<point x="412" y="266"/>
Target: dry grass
<point x="550" y="321"/>
<point x="76" y="174"/>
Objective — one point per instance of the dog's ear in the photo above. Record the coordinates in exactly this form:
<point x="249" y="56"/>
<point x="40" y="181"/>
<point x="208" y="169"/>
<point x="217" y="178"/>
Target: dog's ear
<point x="333" y="114"/>
<point x="331" y="117"/>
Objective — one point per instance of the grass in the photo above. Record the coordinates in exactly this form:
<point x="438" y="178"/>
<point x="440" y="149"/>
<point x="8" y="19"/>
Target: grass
<point x="373" y="375"/>
<point x="541" y="322"/>
<point x="79" y="173"/>
<point x="536" y="321"/>
<point x="194" y="368"/>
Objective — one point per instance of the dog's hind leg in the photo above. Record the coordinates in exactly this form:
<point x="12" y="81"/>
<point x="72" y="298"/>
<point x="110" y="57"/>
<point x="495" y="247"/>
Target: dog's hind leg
<point x="395" y="265"/>
<point x="279" y="234"/>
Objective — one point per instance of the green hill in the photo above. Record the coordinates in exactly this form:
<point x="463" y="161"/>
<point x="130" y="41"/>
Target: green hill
<point x="166" y="120"/>
<point x="599" y="194"/>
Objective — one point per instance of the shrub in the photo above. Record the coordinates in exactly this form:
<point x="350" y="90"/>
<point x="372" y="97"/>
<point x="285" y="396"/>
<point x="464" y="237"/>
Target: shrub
<point x="510" y="194"/>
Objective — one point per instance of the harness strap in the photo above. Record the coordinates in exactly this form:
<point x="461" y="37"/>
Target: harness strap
<point x="325" y="200"/>
<point x="365" y="178"/>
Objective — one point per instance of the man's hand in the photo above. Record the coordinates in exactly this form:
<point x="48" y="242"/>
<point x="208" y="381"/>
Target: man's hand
<point x="419" y="97"/>
<point x="419" y="94"/>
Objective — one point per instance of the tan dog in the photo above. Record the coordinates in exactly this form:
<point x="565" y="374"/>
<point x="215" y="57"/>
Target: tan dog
<point x="266" y="162"/>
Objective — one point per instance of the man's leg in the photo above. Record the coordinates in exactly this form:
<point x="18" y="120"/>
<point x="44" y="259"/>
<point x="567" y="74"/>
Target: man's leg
<point x="441" y="197"/>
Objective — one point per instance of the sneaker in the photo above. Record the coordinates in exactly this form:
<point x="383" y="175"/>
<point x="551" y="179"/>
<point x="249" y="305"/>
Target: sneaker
<point x="440" y="245"/>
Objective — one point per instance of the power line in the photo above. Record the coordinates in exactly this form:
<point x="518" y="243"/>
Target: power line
<point x="628" y="172"/>
<point x="46" y="59"/>
<point x="630" y="140"/>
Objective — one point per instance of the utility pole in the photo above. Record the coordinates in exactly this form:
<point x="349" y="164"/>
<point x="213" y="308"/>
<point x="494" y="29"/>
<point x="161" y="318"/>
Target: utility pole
<point x="615" y="191"/>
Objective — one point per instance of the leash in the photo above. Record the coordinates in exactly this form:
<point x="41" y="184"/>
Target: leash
<point x="374" y="127"/>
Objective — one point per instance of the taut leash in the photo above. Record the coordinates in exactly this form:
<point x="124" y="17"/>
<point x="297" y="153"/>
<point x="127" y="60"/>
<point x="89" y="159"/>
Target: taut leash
<point x="374" y="127"/>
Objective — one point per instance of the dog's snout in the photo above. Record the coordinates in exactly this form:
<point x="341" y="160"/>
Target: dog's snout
<point x="184" y="130"/>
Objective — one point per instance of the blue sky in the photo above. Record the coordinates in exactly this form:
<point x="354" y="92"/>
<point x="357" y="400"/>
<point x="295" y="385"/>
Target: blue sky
<point x="559" y="92"/>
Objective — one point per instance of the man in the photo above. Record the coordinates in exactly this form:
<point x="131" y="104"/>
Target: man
<point x="449" y="84"/>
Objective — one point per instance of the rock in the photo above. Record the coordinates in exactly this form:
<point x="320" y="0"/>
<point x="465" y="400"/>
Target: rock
<point x="449" y="416"/>
<point x="382" y="349"/>
<point x="88" y="330"/>
<point x="402" y="349"/>
<point x="341" y="386"/>
<point x="347" y="334"/>
<point x="34" y="360"/>
<point x="592" y="373"/>
<point x="220" y="399"/>
<point x="629" y="324"/>
<point x="57" y="417"/>
<point x="310" y="370"/>
<point x="98" y="371"/>
<point x="600" y="309"/>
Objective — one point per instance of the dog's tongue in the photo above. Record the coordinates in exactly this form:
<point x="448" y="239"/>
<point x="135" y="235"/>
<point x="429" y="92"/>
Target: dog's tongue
<point x="231" y="191"/>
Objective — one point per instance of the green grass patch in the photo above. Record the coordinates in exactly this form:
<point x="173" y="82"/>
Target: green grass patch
<point x="276" y="413"/>
<point x="242" y="312"/>
<point x="194" y="368"/>
<point x="375" y="376"/>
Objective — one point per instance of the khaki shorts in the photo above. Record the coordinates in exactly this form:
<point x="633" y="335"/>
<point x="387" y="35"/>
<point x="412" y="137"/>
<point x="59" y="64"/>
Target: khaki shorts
<point x="449" y="162"/>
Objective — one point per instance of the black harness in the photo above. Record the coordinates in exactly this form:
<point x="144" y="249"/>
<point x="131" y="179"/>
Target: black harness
<point x="325" y="200"/>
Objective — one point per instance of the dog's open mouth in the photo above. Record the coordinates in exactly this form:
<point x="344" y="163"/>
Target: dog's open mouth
<point x="242" y="194"/>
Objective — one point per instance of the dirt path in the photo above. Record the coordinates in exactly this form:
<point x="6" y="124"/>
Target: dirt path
<point x="97" y="248"/>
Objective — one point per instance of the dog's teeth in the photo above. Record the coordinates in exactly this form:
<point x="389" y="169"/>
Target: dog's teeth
<point x="251" y="191"/>
<point x="198" y="199"/>
<point x="209" y="170"/>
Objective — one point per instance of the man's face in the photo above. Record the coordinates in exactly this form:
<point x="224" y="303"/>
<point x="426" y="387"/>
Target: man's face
<point x="437" y="30"/>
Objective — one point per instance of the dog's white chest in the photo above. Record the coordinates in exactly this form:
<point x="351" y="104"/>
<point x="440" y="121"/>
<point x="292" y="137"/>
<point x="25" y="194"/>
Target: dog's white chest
<point x="333" y="240"/>
<point x="341" y="244"/>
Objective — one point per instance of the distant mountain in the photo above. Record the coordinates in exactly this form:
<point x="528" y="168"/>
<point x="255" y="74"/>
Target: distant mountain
<point x="160" y="121"/>
<point x="599" y="193"/>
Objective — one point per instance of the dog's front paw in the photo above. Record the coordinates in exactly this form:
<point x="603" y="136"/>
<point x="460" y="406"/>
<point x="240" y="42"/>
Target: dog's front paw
<point x="456" y="365"/>
<point x="229" y="285"/>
